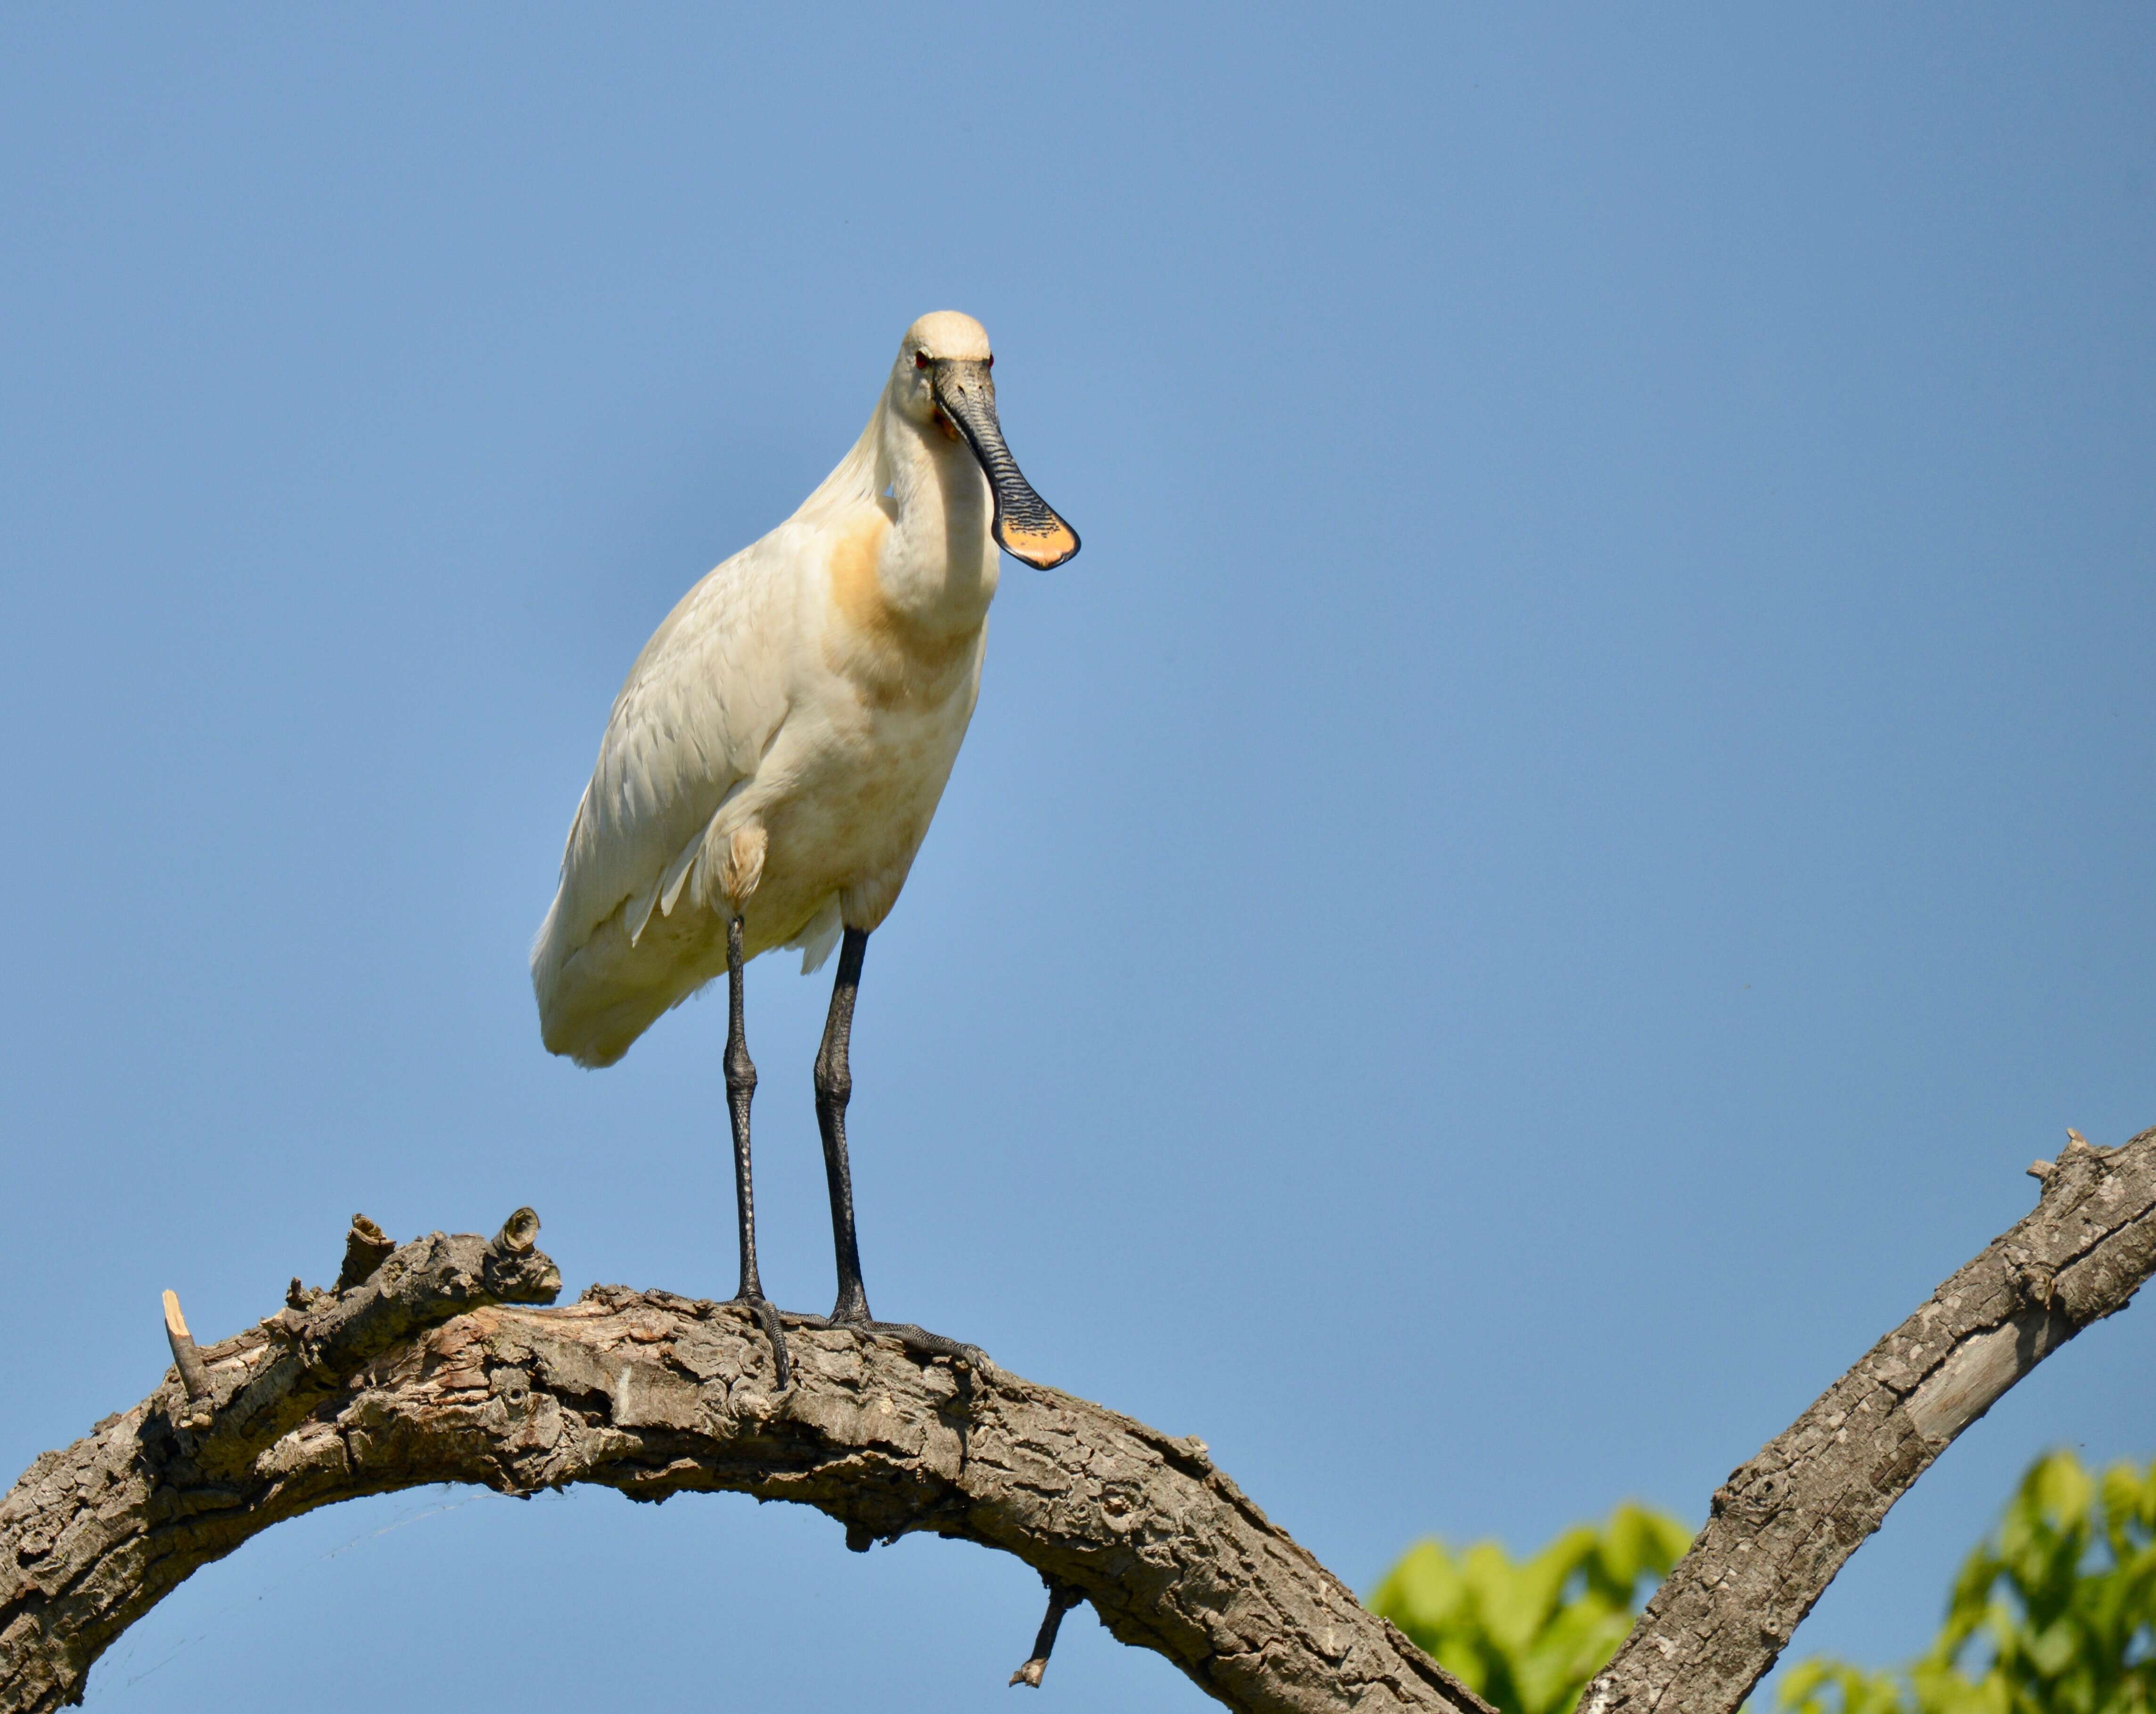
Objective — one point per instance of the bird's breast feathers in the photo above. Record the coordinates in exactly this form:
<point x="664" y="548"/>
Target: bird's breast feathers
<point x="891" y="658"/>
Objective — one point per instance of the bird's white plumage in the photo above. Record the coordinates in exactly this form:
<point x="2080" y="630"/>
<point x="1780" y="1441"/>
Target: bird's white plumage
<point x="782" y="739"/>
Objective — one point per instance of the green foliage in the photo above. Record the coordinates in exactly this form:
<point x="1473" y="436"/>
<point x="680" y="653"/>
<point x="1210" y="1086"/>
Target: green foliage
<point x="1528" y="1636"/>
<point x="2055" y="1615"/>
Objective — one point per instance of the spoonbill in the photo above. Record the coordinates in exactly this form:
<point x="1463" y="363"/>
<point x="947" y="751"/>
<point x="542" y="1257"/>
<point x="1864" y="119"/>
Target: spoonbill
<point x="771" y="764"/>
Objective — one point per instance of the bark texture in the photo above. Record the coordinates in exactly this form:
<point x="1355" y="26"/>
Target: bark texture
<point x="432" y="1370"/>
<point x="433" y="1365"/>
<point x="1783" y="1524"/>
<point x="96" y="1534"/>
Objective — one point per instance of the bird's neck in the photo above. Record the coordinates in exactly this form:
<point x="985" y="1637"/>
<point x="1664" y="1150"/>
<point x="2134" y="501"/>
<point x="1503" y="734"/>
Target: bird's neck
<point x="937" y="566"/>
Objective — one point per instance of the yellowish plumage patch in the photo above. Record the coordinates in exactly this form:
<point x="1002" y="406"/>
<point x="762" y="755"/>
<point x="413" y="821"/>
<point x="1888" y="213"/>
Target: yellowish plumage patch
<point x="890" y="661"/>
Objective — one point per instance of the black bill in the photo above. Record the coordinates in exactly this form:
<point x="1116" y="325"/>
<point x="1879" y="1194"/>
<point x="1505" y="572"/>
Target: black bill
<point x="1026" y="526"/>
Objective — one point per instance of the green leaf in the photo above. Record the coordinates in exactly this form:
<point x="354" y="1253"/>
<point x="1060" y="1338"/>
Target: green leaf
<point x="1528" y="1634"/>
<point x="2055" y="1615"/>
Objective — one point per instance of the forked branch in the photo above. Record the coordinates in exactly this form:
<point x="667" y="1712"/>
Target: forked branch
<point x="431" y="1367"/>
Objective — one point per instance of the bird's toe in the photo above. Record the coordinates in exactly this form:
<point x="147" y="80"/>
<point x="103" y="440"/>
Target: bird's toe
<point x="927" y="1344"/>
<point x="767" y="1314"/>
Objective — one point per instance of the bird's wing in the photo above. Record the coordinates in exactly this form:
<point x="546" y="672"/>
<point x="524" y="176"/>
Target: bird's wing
<point x="694" y="717"/>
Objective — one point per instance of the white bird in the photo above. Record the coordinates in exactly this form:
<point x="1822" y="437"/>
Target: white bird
<point x="771" y="764"/>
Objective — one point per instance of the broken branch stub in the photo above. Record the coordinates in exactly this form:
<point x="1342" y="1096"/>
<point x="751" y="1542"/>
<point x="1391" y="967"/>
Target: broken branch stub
<point x="365" y="1248"/>
<point x="1061" y="1598"/>
<point x="519" y="1232"/>
<point x="193" y="1378"/>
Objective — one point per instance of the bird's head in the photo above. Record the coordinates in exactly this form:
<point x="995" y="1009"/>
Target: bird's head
<point x="942" y="380"/>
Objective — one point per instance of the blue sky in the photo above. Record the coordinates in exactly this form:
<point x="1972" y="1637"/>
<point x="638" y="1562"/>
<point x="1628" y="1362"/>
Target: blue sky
<point x="1584" y="811"/>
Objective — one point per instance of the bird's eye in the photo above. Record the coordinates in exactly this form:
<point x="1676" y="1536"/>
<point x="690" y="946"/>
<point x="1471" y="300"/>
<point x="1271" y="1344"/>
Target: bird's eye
<point x="920" y="359"/>
<point x="991" y="363"/>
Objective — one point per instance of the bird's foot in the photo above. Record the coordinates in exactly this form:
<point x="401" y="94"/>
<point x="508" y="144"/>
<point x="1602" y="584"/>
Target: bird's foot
<point x="767" y="1314"/>
<point x="917" y="1339"/>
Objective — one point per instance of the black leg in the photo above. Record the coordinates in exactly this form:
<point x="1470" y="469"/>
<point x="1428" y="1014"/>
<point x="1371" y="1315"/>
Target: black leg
<point x="835" y="1087"/>
<point x="741" y="1090"/>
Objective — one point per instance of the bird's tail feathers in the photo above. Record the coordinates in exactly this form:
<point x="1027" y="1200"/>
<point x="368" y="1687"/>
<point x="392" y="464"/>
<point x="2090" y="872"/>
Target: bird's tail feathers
<point x="819" y="937"/>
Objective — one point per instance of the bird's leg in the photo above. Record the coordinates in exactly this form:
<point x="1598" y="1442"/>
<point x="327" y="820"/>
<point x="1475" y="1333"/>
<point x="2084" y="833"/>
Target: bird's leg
<point x="741" y="1090"/>
<point x="834" y="1088"/>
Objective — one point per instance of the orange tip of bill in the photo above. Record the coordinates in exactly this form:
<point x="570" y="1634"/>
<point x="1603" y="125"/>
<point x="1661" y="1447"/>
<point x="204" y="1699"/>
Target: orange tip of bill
<point x="1041" y="544"/>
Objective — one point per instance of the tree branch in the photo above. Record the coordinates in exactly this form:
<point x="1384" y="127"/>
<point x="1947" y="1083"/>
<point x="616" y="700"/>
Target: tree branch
<point x="1783" y="1525"/>
<point x="94" y="1536"/>
<point x="428" y="1367"/>
<point x="426" y="1371"/>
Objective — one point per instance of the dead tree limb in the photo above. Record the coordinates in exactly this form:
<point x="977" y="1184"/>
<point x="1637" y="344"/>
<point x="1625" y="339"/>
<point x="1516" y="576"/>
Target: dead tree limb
<point x="431" y="1367"/>
<point x="1783" y="1524"/>
<point x="428" y="1370"/>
